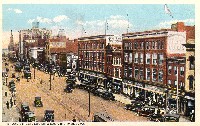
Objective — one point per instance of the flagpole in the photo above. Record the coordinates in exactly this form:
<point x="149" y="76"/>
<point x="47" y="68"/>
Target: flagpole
<point x="128" y="24"/>
<point x="105" y="26"/>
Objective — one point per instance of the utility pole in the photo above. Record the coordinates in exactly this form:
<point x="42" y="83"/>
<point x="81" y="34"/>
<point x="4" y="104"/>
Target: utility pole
<point x="50" y="81"/>
<point x="177" y="90"/>
<point x="89" y="102"/>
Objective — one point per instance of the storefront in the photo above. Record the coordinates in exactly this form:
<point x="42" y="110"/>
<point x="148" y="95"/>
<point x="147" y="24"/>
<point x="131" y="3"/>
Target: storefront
<point x="117" y="86"/>
<point x="127" y="88"/>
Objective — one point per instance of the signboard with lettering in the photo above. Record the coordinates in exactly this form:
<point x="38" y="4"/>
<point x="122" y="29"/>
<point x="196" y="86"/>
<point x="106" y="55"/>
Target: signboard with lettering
<point x="57" y="44"/>
<point x="114" y="40"/>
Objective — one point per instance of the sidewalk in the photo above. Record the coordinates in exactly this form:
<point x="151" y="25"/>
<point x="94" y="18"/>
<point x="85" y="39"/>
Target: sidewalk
<point x="11" y="114"/>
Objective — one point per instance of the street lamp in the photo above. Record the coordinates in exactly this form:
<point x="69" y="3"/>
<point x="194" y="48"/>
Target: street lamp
<point x="89" y="101"/>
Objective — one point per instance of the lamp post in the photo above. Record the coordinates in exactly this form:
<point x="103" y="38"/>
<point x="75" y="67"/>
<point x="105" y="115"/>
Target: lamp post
<point x="50" y="81"/>
<point x="89" y="102"/>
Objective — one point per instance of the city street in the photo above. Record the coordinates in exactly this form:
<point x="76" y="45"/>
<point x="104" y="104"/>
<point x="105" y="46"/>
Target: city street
<point x="65" y="105"/>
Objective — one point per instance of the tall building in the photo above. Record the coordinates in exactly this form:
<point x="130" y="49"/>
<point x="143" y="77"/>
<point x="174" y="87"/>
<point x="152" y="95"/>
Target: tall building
<point x="145" y="62"/>
<point x="11" y="44"/>
<point x="94" y="61"/>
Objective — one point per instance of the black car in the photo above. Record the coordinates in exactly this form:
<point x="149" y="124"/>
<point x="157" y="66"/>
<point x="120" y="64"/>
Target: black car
<point x="68" y="89"/>
<point x="108" y="96"/>
<point x="129" y="106"/>
<point x="154" y="117"/>
<point x="24" y="108"/>
<point x="27" y="74"/>
<point x="146" y="110"/>
<point x="38" y="102"/>
<point x="29" y="117"/>
<point x="169" y="118"/>
<point x="49" y="116"/>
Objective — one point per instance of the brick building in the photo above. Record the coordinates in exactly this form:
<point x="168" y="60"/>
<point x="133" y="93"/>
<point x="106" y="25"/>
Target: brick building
<point x="145" y="62"/>
<point x="95" y="59"/>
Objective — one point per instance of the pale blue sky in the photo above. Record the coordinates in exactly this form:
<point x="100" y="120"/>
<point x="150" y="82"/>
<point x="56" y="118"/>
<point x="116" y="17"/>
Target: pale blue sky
<point x="73" y="18"/>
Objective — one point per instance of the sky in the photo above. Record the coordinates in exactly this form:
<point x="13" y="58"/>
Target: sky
<point x="80" y="20"/>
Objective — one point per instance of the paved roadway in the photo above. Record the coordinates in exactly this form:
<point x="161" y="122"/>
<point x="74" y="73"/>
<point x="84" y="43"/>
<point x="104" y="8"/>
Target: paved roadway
<point x="66" y="105"/>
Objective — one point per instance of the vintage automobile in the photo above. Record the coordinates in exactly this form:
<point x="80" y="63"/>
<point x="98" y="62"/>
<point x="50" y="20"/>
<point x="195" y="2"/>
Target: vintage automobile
<point x="49" y="116"/>
<point x="147" y="110"/>
<point x="169" y="118"/>
<point x="154" y="117"/>
<point x="29" y="117"/>
<point x="102" y="117"/>
<point x="27" y="74"/>
<point x="99" y="92"/>
<point x="38" y="102"/>
<point x="68" y="89"/>
<point x="13" y="75"/>
<point x="129" y="106"/>
<point x="24" y="108"/>
<point x="11" y="83"/>
<point x="108" y="95"/>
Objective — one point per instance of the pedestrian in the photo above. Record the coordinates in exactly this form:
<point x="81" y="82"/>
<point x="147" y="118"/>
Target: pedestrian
<point x="11" y="99"/>
<point x="7" y="104"/>
<point x="74" y="119"/>
<point x="11" y="104"/>
<point x="14" y="102"/>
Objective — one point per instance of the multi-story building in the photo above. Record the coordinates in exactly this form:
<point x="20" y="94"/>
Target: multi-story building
<point x="95" y="59"/>
<point x="190" y="77"/>
<point x="145" y="57"/>
<point x="32" y="42"/>
<point x="11" y="44"/>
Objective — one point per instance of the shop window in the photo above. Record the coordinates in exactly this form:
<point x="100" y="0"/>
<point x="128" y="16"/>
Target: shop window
<point x="136" y="58"/>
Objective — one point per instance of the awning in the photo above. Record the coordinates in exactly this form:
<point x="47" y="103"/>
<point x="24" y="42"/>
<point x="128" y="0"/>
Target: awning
<point x="190" y="98"/>
<point x="147" y="89"/>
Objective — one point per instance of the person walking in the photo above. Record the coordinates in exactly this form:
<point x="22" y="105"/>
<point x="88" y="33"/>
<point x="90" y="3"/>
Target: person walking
<point x="11" y="104"/>
<point x="7" y="104"/>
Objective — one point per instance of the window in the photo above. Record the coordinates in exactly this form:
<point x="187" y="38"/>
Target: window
<point x="154" y="75"/>
<point x="130" y="72"/>
<point x="160" y="60"/>
<point x="125" y="57"/>
<point x="141" y="73"/>
<point x="160" y="76"/>
<point x="116" y="72"/>
<point x="182" y="85"/>
<point x="141" y="45"/>
<point x="175" y="70"/>
<point x="135" y="45"/>
<point x="125" y="72"/>
<point x="148" y="58"/>
<point x="141" y="58"/>
<point x="169" y="83"/>
<point x="154" y="58"/>
<point x="136" y="73"/>
<point x="191" y="82"/>
<point x="169" y="70"/>
<point x="125" y="45"/>
<point x="147" y="45"/>
<point x="191" y="59"/>
<point x="181" y="71"/>
<point x="153" y="45"/>
<point x="136" y="58"/>
<point x="148" y="74"/>
<point x="175" y="83"/>
<point x="130" y="57"/>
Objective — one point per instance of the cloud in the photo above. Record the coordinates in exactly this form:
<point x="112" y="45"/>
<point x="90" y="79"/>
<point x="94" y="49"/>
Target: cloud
<point x="17" y="11"/>
<point x="60" y="18"/>
<point x="56" y="19"/>
<point x="167" y="24"/>
<point x="44" y="20"/>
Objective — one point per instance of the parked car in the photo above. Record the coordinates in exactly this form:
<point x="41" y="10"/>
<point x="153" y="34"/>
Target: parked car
<point x="108" y="95"/>
<point x="24" y="108"/>
<point x="27" y="74"/>
<point x="147" y="110"/>
<point x="68" y="89"/>
<point x="154" y="117"/>
<point x="49" y="116"/>
<point x="38" y="102"/>
<point x="29" y="117"/>
<point x="169" y="118"/>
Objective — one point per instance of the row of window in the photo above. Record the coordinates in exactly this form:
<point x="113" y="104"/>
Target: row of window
<point x="139" y="58"/>
<point x="91" y="46"/>
<point x="92" y="66"/>
<point x="144" y="45"/>
<point x="174" y="69"/>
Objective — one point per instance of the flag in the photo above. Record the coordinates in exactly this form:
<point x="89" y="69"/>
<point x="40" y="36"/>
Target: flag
<point x="167" y="10"/>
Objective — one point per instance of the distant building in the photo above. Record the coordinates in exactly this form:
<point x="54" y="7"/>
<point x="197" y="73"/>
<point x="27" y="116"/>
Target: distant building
<point x="11" y="44"/>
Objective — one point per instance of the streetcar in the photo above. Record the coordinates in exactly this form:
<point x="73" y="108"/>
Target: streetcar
<point x="102" y="117"/>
